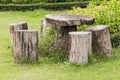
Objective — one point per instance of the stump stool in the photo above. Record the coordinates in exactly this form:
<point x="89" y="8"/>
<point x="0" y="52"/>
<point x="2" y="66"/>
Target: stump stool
<point x="25" y="44"/>
<point x="17" y="26"/>
<point x="79" y="47"/>
<point x="101" y="42"/>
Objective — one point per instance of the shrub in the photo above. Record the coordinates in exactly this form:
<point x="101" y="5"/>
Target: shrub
<point x="115" y="39"/>
<point x="104" y="12"/>
<point x="25" y="1"/>
<point x="5" y="1"/>
<point x="37" y="1"/>
<point x="50" y="6"/>
<point x="45" y="44"/>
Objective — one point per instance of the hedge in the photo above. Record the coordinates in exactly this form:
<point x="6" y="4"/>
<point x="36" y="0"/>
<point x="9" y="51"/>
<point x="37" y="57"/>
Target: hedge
<point x="47" y="6"/>
<point x="36" y="1"/>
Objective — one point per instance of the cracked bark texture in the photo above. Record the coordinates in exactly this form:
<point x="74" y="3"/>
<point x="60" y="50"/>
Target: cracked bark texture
<point x="101" y="42"/>
<point x="25" y="44"/>
<point x="17" y="26"/>
<point x="80" y="44"/>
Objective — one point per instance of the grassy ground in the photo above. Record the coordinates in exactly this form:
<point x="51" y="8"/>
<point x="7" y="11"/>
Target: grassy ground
<point x="101" y="69"/>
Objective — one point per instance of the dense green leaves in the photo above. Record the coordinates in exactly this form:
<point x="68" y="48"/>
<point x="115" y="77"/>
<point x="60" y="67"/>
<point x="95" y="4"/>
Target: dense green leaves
<point x="37" y="1"/>
<point x="104" y="12"/>
<point x="115" y="39"/>
<point x="50" y="6"/>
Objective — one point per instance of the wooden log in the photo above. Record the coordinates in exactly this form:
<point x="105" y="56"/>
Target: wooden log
<point x="25" y="44"/>
<point x="79" y="47"/>
<point x="101" y="43"/>
<point x="17" y="26"/>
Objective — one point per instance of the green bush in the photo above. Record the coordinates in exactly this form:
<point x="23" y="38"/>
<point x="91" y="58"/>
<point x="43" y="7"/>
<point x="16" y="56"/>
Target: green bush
<point x="50" y="6"/>
<point x="115" y="39"/>
<point x="36" y="1"/>
<point x="45" y="44"/>
<point x="104" y="12"/>
<point x="17" y="1"/>
<point x="5" y="1"/>
<point x="25" y="1"/>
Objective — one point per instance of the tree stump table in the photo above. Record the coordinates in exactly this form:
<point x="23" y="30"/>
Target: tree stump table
<point x="66" y="23"/>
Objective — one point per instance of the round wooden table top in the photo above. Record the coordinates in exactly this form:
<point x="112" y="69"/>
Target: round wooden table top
<point x="68" y="19"/>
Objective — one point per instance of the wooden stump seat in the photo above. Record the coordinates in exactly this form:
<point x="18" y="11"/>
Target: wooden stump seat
<point x="17" y="26"/>
<point x="101" y="43"/>
<point x="79" y="47"/>
<point x="25" y="44"/>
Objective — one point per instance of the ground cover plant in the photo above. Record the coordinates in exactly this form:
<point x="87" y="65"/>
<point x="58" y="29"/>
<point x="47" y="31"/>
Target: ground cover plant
<point x="50" y="66"/>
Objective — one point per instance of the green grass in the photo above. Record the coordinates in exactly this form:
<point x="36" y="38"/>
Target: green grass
<point x="98" y="69"/>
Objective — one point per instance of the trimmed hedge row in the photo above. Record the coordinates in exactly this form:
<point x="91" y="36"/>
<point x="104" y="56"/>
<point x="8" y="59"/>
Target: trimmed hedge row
<point x="36" y="1"/>
<point x="47" y="6"/>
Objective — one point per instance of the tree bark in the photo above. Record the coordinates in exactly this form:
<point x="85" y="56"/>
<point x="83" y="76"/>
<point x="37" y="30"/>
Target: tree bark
<point x="101" y="43"/>
<point x="79" y="47"/>
<point x="25" y="44"/>
<point x="17" y="26"/>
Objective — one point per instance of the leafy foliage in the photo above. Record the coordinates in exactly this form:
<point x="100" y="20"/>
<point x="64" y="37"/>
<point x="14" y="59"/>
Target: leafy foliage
<point x="45" y="44"/>
<point x="50" y="6"/>
<point x="105" y="12"/>
<point x="115" y="39"/>
<point x="36" y="1"/>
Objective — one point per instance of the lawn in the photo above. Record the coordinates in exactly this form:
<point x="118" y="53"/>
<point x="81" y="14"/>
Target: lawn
<point x="101" y="69"/>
